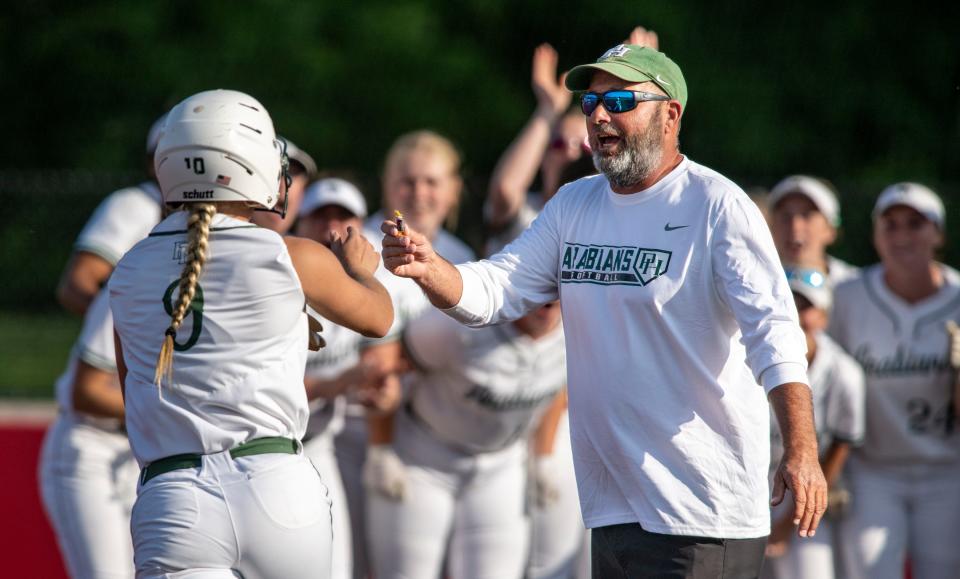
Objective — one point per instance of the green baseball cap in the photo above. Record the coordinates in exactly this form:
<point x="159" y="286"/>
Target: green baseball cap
<point x="635" y="64"/>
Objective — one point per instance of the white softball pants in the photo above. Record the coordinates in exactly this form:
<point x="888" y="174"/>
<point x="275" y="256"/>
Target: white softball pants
<point x="806" y="557"/>
<point x="350" y="446"/>
<point x="256" y="517"/>
<point x="560" y="543"/>
<point x="896" y="510"/>
<point x="88" y="481"/>
<point x="319" y="450"/>
<point x="473" y="502"/>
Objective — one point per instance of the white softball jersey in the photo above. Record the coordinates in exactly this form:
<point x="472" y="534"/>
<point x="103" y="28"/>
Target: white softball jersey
<point x="240" y="354"/>
<point x="341" y="353"/>
<point x="837" y="383"/>
<point x="675" y="306"/>
<point x="479" y="390"/>
<point x="95" y="347"/>
<point x="87" y="472"/>
<point x="903" y="351"/>
<point x="532" y="206"/>
<point x="408" y="298"/>
<point x="125" y="217"/>
<point x="840" y="271"/>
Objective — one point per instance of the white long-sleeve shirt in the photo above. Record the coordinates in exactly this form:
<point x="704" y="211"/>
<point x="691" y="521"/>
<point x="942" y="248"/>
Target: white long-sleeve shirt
<point x="675" y="306"/>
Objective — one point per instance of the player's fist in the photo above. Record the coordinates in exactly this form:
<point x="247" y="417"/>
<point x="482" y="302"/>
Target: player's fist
<point x="546" y="478"/>
<point x="384" y="473"/>
<point x="315" y="340"/>
<point x="953" y="333"/>
<point x="406" y="253"/>
<point x="354" y="252"/>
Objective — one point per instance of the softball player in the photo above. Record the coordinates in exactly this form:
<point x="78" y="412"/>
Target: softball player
<point x="302" y="171"/>
<point x="329" y="207"/>
<point x="461" y="440"/>
<point x="903" y="480"/>
<point x="216" y="404"/>
<point x="125" y="217"/>
<point x="805" y="215"/>
<point x="88" y="476"/>
<point x="838" y="402"/>
<point x="421" y="179"/>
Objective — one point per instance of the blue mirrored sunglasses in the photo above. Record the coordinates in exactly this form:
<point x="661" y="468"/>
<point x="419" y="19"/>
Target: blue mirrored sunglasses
<point x="810" y="277"/>
<point x="617" y="101"/>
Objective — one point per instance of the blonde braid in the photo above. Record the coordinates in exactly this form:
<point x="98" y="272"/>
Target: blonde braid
<point x="198" y="233"/>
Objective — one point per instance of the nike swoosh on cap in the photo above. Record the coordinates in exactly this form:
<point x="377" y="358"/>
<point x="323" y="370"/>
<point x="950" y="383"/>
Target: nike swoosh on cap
<point x="660" y="80"/>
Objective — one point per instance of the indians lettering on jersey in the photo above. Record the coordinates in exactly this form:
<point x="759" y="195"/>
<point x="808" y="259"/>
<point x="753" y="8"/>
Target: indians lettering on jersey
<point x="612" y="264"/>
<point x="901" y="362"/>
<point x="489" y="399"/>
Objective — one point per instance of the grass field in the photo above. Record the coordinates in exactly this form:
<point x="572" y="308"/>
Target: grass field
<point x="33" y="352"/>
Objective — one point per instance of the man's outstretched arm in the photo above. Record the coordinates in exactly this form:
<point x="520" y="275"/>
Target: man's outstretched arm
<point x="409" y="254"/>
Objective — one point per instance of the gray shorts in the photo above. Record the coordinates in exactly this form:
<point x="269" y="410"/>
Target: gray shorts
<point x="628" y="552"/>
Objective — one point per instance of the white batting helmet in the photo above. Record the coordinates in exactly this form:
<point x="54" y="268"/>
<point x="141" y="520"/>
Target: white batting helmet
<point x="219" y="145"/>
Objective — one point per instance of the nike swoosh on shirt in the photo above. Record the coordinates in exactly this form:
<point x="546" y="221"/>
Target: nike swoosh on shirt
<point x="668" y="227"/>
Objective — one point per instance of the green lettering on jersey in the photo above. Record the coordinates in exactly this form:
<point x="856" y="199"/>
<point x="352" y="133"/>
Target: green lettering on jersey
<point x="196" y="308"/>
<point x="608" y="261"/>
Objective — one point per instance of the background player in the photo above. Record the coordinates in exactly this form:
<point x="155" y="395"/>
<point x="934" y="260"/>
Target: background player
<point x="122" y="219"/>
<point x="331" y="206"/>
<point x="216" y="406"/>
<point x="804" y="219"/>
<point x="421" y="178"/>
<point x="87" y="473"/>
<point x="838" y="407"/>
<point x="461" y="439"/>
<point x="905" y="498"/>
<point x="553" y="142"/>
<point x="302" y="170"/>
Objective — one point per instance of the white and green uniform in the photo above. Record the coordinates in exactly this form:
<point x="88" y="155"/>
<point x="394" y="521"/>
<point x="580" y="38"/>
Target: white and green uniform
<point x="125" y="217"/>
<point x="341" y="353"/>
<point x="88" y="476"/>
<point x="462" y="436"/>
<point x="904" y="477"/>
<point x="237" y="376"/>
<point x="86" y="463"/>
<point x="840" y="271"/>
<point x="351" y="444"/>
<point x="675" y="308"/>
<point x="559" y="542"/>
<point x="838" y="409"/>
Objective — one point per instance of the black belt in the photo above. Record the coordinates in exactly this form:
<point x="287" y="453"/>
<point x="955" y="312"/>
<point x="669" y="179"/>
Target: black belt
<point x="266" y="445"/>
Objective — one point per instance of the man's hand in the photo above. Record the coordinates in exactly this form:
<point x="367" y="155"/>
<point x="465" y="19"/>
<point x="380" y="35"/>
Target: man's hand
<point x="801" y="474"/>
<point x="799" y="470"/>
<point x="552" y="97"/>
<point x="355" y="252"/>
<point x="407" y="255"/>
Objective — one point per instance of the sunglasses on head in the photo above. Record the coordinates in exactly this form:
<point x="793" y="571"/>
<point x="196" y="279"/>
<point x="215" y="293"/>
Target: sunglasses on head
<point x="617" y="101"/>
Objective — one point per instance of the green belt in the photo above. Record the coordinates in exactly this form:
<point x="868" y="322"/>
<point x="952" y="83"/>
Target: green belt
<point x="269" y="444"/>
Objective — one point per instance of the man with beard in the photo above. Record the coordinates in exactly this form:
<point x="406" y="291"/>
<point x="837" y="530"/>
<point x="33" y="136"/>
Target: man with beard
<point x="679" y="326"/>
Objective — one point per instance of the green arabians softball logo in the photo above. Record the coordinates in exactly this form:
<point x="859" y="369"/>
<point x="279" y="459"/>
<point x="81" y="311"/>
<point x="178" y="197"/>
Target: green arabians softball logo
<point x="612" y="264"/>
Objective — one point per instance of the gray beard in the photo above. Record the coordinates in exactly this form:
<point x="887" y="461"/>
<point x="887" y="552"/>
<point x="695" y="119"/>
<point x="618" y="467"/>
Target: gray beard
<point x="638" y="158"/>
